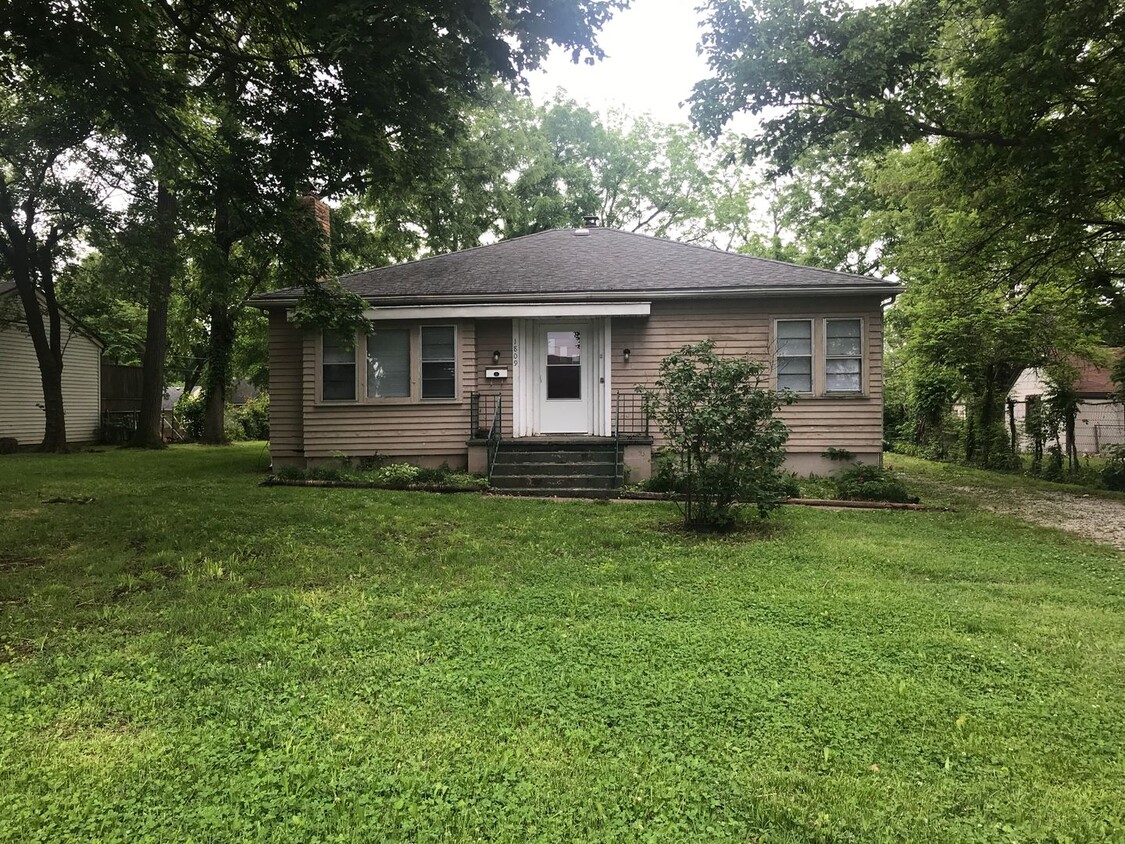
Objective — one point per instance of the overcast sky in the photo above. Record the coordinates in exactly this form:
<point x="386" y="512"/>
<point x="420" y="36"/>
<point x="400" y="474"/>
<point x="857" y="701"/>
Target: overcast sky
<point x="650" y="66"/>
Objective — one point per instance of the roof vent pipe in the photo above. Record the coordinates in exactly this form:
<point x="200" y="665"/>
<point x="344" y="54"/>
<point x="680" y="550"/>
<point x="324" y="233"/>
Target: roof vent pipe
<point x="590" y="221"/>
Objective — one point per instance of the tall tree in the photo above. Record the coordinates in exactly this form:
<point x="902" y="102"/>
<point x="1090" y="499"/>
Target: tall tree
<point x="47" y="195"/>
<point x="1024" y="98"/>
<point x="343" y="95"/>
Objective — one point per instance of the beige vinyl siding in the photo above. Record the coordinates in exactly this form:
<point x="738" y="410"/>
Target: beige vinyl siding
<point x="286" y="348"/>
<point x="495" y="335"/>
<point x="745" y="327"/>
<point x="388" y="427"/>
<point x="21" y="390"/>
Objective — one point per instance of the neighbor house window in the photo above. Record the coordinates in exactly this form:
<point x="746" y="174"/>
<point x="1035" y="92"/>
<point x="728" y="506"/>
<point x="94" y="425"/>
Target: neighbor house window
<point x="388" y="363"/>
<point x="439" y="362"/>
<point x="843" y="355"/>
<point x="794" y="355"/>
<point x="337" y="360"/>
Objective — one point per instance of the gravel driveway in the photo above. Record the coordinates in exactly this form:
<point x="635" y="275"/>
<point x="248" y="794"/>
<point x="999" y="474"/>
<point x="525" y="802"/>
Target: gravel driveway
<point x="1098" y="519"/>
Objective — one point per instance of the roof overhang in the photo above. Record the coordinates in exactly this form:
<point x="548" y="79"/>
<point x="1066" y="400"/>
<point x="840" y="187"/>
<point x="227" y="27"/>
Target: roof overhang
<point x="589" y="299"/>
<point x="509" y="311"/>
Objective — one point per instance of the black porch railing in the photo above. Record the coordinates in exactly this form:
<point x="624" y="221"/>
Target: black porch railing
<point x="630" y="419"/>
<point x="486" y="413"/>
<point x="482" y="412"/>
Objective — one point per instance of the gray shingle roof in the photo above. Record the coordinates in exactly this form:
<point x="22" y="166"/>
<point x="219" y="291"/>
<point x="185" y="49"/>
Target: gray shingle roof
<point x="604" y="264"/>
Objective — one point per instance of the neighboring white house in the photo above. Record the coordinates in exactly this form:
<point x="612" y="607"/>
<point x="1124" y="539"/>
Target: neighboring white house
<point x="1100" y="421"/>
<point x="21" y="392"/>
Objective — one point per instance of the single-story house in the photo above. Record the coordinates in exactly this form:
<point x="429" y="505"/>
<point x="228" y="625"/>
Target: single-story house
<point x="541" y="340"/>
<point x="21" y="391"/>
<point x="1101" y="417"/>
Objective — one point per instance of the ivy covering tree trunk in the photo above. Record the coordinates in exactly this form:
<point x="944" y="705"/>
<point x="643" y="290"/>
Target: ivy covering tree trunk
<point x="148" y="433"/>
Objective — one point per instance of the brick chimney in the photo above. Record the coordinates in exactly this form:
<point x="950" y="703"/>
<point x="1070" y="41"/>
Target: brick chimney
<point x="322" y="214"/>
<point x="320" y="211"/>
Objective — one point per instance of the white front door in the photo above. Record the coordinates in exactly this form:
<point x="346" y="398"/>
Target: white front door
<point x="566" y="358"/>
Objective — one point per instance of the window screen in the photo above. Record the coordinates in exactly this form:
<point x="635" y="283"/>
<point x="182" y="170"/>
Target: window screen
<point x="439" y="362"/>
<point x="388" y="363"/>
<point x="843" y="355"/>
<point x="337" y="367"/>
<point x="794" y="355"/>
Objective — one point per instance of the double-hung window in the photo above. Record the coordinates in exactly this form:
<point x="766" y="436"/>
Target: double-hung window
<point x="843" y="355"/>
<point x="388" y="363"/>
<point x="795" y="355"/>
<point x="398" y="363"/>
<point x="337" y="367"/>
<point x="439" y="362"/>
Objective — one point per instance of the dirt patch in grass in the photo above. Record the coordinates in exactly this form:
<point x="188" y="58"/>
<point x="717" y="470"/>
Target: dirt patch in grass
<point x="14" y="562"/>
<point x="1093" y="518"/>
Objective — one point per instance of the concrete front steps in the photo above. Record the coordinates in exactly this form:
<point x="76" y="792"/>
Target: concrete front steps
<point x="580" y="467"/>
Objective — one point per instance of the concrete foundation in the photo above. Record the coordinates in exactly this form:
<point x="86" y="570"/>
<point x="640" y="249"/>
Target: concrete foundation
<point x="811" y="463"/>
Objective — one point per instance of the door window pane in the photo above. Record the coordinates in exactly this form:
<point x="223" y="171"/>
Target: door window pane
<point x="337" y="378"/>
<point x="564" y="365"/>
<point x="439" y="362"/>
<point x="388" y="363"/>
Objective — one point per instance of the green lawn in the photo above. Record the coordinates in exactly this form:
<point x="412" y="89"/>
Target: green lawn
<point x="191" y="657"/>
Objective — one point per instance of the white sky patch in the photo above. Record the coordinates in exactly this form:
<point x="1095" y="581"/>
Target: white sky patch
<point x="650" y="67"/>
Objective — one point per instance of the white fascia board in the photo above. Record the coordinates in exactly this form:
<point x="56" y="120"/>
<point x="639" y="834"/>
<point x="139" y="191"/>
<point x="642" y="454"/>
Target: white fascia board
<point x="504" y="311"/>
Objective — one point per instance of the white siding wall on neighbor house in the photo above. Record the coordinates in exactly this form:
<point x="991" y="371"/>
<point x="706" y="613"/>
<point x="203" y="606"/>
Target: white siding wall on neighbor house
<point x="1100" y="422"/>
<point x="21" y="391"/>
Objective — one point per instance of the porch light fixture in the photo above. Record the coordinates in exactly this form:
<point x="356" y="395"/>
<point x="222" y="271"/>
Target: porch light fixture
<point x="627" y="353"/>
<point x="496" y="357"/>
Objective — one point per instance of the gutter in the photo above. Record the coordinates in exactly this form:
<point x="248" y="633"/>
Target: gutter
<point x="265" y="302"/>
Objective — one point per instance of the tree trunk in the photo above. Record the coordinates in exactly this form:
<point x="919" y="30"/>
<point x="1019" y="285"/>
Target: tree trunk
<point x="1071" y="445"/>
<point x="47" y="343"/>
<point x="217" y="375"/>
<point x="148" y="434"/>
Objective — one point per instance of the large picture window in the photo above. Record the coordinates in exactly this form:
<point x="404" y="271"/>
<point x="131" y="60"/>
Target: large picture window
<point x="388" y="363"/>
<point x="338" y="367"/>
<point x="439" y="362"/>
<point x="843" y="355"/>
<point x="795" y="355"/>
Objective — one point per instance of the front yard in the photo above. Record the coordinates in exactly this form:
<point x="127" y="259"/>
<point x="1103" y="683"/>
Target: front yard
<point x="191" y="657"/>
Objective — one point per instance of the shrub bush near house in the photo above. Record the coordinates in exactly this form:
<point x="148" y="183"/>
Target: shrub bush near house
<point x="868" y="483"/>
<point x="249" y="421"/>
<point x="392" y="476"/>
<point x="253" y="417"/>
<point x="725" y="445"/>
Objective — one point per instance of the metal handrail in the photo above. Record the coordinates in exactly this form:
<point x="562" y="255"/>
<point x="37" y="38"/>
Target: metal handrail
<point x="495" y="435"/>
<point x="618" y="469"/>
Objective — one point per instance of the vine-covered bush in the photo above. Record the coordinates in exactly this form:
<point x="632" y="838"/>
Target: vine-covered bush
<point x="1113" y="475"/>
<point x="254" y="417"/>
<point x="189" y="415"/>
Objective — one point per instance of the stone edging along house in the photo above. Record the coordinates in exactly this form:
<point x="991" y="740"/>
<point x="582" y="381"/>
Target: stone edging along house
<point x="540" y="341"/>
